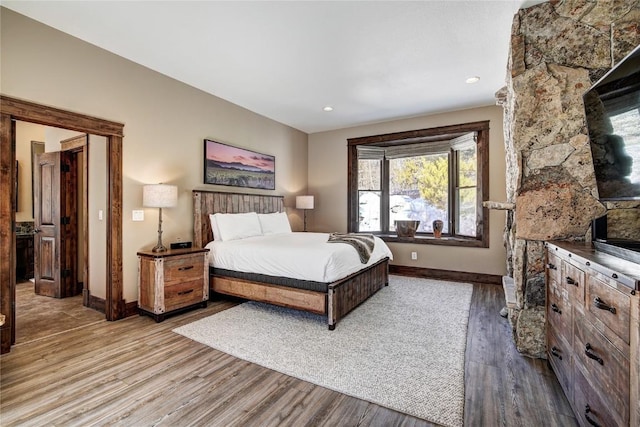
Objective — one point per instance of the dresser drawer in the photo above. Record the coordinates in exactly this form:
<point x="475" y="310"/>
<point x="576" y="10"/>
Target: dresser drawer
<point x="609" y="306"/>
<point x="559" y="313"/>
<point x="604" y="366"/>
<point x="590" y="408"/>
<point x="559" y="355"/>
<point x="554" y="267"/>
<point x="573" y="279"/>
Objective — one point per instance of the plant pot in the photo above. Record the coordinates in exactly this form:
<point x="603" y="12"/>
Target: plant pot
<point x="438" y="225"/>
<point x="406" y="228"/>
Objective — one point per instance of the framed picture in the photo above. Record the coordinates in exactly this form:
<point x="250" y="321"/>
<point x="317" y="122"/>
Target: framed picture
<point x="237" y="167"/>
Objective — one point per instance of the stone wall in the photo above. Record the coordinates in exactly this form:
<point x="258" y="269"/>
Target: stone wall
<point x="558" y="50"/>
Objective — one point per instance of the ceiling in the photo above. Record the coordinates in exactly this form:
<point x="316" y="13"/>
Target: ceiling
<point x="372" y="61"/>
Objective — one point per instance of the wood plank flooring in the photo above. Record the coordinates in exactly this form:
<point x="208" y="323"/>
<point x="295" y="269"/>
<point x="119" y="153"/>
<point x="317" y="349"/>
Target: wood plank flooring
<point x="39" y="316"/>
<point x="135" y="372"/>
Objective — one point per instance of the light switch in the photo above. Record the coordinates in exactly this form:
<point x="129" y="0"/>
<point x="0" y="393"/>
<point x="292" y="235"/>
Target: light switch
<point x="137" y="215"/>
<point x="100" y="215"/>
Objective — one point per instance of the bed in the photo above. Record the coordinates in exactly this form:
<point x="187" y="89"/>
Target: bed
<point x="334" y="299"/>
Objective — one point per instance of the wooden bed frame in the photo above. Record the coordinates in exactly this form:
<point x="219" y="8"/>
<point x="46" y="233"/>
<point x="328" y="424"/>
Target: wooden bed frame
<point x="341" y="297"/>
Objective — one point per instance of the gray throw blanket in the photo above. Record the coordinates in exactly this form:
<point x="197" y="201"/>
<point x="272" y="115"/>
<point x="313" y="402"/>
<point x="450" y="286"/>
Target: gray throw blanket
<point x="362" y="243"/>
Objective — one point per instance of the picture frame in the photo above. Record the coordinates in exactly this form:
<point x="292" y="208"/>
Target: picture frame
<point x="238" y="167"/>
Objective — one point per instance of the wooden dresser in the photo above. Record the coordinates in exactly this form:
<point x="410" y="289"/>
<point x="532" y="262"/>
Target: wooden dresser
<point x="172" y="281"/>
<point x="593" y="332"/>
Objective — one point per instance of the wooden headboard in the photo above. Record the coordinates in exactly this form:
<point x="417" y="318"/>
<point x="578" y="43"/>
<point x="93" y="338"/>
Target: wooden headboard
<point x="208" y="202"/>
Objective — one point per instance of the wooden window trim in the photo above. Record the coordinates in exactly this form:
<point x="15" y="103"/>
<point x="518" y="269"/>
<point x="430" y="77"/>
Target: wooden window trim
<point x="426" y="135"/>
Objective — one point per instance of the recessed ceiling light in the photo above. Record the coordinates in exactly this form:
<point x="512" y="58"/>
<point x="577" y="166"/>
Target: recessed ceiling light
<point x="328" y="108"/>
<point x="474" y="79"/>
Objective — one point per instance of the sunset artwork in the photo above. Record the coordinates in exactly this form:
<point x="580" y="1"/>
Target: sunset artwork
<point x="237" y="167"/>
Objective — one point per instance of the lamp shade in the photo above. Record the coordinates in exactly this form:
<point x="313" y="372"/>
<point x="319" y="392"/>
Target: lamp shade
<point x="304" y="202"/>
<point x="159" y="196"/>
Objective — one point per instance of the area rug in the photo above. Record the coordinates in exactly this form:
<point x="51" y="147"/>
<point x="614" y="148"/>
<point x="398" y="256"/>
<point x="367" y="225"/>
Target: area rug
<point x="402" y="349"/>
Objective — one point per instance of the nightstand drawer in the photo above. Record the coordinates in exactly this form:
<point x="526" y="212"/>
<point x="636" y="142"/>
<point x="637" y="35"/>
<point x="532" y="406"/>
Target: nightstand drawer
<point x="183" y="294"/>
<point x="177" y="270"/>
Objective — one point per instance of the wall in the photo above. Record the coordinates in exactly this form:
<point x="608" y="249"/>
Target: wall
<point x="25" y="133"/>
<point x="98" y="172"/>
<point x="165" y="124"/>
<point x="328" y="183"/>
<point x="558" y="49"/>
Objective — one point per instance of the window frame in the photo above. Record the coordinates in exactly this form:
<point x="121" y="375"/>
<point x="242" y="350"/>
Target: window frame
<point x="435" y="134"/>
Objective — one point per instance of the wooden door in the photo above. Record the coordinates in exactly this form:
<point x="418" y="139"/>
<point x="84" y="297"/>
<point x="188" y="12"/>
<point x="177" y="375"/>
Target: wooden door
<point x="55" y="225"/>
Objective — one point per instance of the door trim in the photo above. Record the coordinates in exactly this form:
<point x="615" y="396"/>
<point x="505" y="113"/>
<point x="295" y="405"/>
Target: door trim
<point x="16" y="109"/>
<point x="79" y="146"/>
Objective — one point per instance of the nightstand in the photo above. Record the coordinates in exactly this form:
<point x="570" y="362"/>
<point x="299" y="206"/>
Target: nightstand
<point x="172" y="281"/>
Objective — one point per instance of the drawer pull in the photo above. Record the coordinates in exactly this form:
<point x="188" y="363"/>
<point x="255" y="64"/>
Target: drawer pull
<point x="185" y="292"/>
<point x="556" y="353"/>
<point x="551" y="266"/>
<point x="603" y="306"/>
<point x="188" y="267"/>
<point x="571" y="281"/>
<point x="590" y="355"/>
<point x="555" y="308"/>
<point x="587" y="410"/>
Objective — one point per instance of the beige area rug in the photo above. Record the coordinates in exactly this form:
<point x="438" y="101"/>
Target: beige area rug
<point x="402" y="349"/>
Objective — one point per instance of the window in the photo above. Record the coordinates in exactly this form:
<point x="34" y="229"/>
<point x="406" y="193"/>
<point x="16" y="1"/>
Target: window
<point x="421" y="175"/>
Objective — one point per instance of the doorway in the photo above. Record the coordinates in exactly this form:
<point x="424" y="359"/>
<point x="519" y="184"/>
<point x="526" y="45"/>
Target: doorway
<point x="12" y="109"/>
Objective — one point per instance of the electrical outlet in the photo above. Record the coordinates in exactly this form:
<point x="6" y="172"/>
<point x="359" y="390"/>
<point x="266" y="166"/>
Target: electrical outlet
<point x="414" y="255"/>
<point x="178" y="239"/>
<point x="137" y="215"/>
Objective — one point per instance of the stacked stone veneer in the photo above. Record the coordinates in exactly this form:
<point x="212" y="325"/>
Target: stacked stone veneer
<point x="558" y="50"/>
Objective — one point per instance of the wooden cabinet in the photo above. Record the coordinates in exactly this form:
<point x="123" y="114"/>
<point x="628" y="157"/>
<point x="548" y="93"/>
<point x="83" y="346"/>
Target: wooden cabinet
<point x="593" y="332"/>
<point x="172" y="281"/>
<point x="24" y="256"/>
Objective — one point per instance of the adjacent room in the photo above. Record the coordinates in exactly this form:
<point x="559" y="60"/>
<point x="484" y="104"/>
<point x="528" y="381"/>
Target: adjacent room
<point x="349" y="213"/>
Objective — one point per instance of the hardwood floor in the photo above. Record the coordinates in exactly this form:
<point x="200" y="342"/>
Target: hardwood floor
<point x="135" y="372"/>
<point x="39" y="316"/>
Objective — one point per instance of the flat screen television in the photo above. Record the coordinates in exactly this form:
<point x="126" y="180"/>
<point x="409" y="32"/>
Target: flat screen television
<point x="612" y="108"/>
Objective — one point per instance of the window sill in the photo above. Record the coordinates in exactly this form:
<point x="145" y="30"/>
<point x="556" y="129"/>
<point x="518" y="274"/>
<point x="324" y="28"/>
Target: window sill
<point x="430" y="240"/>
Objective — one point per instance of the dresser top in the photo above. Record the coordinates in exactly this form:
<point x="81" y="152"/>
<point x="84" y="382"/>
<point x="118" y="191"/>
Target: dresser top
<point x="584" y="253"/>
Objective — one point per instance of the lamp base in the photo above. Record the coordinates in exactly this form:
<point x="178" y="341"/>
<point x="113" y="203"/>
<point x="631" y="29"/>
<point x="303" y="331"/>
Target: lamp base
<point x="159" y="247"/>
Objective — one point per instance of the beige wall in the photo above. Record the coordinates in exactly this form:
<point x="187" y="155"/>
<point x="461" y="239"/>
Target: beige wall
<point x="165" y="124"/>
<point x="25" y="133"/>
<point x="328" y="178"/>
<point x="98" y="172"/>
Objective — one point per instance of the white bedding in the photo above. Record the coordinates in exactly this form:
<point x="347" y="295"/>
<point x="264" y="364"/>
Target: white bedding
<point x="303" y="256"/>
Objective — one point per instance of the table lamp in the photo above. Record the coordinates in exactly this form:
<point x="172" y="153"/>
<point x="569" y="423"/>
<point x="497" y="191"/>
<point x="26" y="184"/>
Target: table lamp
<point x="159" y="196"/>
<point x="305" y="203"/>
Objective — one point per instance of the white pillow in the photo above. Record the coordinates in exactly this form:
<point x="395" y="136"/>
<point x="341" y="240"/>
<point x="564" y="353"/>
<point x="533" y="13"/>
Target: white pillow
<point x="238" y="226"/>
<point x="274" y="223"/>
<point x="214" y="228"/>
